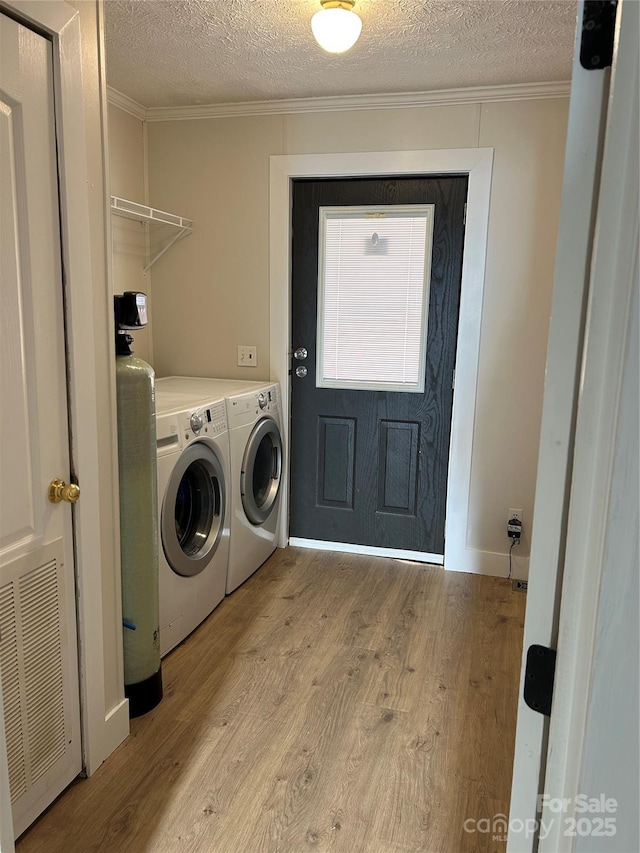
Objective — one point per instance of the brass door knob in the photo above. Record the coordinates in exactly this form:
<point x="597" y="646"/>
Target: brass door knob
<point x="61" y="491"/>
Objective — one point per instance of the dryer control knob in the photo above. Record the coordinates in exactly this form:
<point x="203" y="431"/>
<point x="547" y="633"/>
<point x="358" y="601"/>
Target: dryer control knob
<point x="262" y="401"/>
<point x="196" y="422"/>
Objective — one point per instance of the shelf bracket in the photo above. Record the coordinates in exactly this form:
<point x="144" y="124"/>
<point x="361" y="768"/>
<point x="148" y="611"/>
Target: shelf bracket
<point x="168" y="245"/>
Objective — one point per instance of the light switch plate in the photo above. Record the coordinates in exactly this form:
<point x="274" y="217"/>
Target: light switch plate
<point x="247" y="356"/>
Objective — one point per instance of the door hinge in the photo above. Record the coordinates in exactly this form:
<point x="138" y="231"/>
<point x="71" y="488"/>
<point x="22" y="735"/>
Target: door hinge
<point x="598" y="30"/>
<point x="538" y="678"/>
<point x="464" y="215"/>
<point x="453" y="378"/>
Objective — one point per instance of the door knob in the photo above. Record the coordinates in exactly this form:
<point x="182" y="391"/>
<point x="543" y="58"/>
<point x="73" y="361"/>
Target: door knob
<point x="300" y="354"/>
<point x="301" y="371"/>
<point x="61" y="491"/>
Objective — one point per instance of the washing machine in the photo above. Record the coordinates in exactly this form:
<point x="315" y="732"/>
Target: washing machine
<point x="255" y="441"/>
<point x="194" y="507"/>
<point x="256" y="463"/>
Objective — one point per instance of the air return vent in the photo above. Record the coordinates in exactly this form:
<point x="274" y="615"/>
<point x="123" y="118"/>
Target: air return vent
<point x="39" y="608"/>
<point x="13" y="710"/>
<point x="32" y="672"/>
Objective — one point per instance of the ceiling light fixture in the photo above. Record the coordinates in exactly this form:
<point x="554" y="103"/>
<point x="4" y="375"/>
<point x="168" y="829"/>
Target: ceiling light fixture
<point x="336" y="27"/>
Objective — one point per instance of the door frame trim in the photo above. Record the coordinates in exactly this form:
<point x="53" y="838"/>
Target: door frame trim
<point x="591" y="581"/>
<point x="102" y="729"/>
<point x="477" y="164"/>
<point x="580" y="187"/>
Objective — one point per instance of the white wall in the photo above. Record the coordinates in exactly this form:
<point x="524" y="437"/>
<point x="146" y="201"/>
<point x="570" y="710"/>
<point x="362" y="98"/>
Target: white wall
<point x="211" y="291"/>
<point x="127" y="174"/>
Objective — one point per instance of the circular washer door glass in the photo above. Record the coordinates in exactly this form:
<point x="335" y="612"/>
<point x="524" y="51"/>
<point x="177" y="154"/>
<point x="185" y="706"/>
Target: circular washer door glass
<point x="193" y="510"/>
<point x="261" y="471"/>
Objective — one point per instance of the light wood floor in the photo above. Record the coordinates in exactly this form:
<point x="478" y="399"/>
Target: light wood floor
<point x="334" y="702"/>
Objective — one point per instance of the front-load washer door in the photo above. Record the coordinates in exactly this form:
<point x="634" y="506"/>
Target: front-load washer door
<point x="192" y="517"/>
<point x="261" y="471"/>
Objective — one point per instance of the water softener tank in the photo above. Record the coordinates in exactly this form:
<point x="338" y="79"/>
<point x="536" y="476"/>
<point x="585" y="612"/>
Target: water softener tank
<point x="138" y="511"/>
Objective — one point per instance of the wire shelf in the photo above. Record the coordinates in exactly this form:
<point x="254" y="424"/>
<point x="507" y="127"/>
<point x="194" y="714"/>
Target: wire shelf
<point x="151" y="215"/>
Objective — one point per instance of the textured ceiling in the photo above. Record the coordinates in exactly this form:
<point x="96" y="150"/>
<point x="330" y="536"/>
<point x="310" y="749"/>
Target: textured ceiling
<point x="184" y="52"/>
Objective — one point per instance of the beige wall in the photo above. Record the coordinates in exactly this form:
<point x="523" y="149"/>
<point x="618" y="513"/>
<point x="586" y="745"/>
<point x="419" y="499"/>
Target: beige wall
<point x="211" y="291"/>
<point x="127" y="168"/>
<point x="214" y="285"/>
<point x="529" y="139"/>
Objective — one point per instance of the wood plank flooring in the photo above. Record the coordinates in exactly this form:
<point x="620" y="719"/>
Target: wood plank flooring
<point x="333" y="703"/>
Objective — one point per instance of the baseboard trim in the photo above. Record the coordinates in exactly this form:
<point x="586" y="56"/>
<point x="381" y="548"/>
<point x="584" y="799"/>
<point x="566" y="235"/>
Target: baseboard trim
<point x="490" y="563"/>
<point x="116" y="727"/>
<point x="366" y="550"/>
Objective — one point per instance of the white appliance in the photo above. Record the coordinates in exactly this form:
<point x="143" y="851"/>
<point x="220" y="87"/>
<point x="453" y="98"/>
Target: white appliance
<point x="194" y="506"/>
<point x="186" y="389"/>
<point x="256" y="466"/>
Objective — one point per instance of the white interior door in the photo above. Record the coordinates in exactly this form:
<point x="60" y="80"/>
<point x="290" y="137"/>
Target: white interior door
<point x="555" y="460"/>
<point x="598" y="234"/>
<point x="38" y="647"/>
<point x="593" y="732"/>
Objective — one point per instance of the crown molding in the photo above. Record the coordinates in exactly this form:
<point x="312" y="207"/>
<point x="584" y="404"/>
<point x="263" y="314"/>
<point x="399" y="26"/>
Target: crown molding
<point x="124" y="102"/>
<point x="443" y="97"/>
<point x="440" y="97"/>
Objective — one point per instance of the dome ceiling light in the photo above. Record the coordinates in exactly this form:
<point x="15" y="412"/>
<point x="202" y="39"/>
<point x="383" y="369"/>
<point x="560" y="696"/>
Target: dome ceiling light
<point x="336" y="27"/>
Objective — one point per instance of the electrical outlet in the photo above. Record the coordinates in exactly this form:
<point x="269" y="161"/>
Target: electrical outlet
<point x="247" y="356"/>
<point x="514" y="524"/>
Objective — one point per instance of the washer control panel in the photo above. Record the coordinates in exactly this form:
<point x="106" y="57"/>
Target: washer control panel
<point x="245" y="407"/>
<point x="205" y="421"/>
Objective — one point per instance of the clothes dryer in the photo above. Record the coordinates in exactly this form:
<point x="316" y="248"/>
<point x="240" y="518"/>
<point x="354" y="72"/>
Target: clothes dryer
<point x="255" y="441"/>
<point x="194" y="510"/>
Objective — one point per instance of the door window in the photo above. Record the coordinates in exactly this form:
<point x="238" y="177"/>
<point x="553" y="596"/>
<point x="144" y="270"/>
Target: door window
<point x="373" y="295"/>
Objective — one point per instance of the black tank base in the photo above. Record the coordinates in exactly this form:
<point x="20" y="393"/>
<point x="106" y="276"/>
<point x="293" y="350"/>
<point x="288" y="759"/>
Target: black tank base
<point x="144" y="695"/>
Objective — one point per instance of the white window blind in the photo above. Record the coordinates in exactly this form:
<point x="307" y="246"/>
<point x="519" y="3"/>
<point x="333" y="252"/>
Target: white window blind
<point x="373" y="296"/>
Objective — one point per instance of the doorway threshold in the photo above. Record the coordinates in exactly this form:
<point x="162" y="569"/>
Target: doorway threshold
<point x="368" y="550"/>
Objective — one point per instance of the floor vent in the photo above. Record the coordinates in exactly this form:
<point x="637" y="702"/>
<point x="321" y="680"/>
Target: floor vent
<point x="521" y="586"/>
